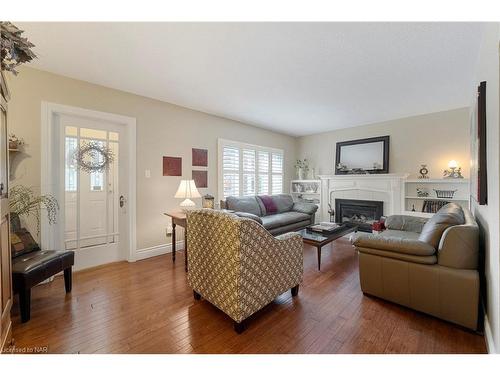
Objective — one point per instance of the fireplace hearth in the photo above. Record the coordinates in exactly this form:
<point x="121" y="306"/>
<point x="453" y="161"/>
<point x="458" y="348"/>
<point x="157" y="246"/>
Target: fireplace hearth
<point x="360" y="212"/>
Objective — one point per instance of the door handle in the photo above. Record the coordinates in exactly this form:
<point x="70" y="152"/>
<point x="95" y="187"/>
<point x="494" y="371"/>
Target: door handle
<point x="122" y="200"/>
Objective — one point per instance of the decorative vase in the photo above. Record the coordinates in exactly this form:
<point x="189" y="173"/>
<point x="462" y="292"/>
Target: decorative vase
<point x="300" y="173"/>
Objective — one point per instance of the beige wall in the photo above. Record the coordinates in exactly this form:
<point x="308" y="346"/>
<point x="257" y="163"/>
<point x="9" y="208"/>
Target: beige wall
<point x="488" y="215"/>
<point x="431" y="139"/>
<point x="163" y="129"/>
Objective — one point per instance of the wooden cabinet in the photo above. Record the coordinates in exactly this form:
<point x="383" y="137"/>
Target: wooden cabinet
<point x="5" y="255"/>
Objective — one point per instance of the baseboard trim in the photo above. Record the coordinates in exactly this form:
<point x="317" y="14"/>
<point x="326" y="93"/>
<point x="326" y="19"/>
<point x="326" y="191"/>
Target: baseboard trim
<point x="488" y="334"/>
<point x="154" y="251"/>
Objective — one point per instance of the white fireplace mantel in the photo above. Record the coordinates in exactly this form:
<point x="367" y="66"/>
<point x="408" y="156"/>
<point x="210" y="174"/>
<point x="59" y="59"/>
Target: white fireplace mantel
<point x="388" y="188"/>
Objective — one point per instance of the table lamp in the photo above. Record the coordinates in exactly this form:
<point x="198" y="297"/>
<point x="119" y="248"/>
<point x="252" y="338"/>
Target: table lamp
<point x="453" y="171"/>
<point x="187" y="189"/>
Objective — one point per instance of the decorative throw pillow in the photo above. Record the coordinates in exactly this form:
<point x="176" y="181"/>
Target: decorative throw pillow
<point x="21" y="242"/>
<point x="269" y="204"/>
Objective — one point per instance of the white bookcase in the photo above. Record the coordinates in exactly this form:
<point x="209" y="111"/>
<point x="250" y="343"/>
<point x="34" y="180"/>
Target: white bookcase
<point x="307" y="191"/>
<point x="412" y="200"/>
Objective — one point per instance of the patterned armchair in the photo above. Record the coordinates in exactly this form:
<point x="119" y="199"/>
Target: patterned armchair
<point x="236" y="265"/>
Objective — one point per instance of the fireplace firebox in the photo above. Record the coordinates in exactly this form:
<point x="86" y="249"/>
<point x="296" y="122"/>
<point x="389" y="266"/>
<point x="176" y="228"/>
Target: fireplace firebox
<point x="363" y="213"/>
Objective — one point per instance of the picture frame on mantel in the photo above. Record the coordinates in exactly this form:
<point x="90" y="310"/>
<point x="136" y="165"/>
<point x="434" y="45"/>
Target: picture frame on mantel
<point x="362" y="156"/>
<point x="478" y="168"/>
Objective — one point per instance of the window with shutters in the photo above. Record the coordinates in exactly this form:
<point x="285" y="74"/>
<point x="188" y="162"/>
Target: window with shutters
<point x="246" y="170"/>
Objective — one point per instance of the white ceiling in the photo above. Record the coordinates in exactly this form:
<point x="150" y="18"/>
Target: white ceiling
<point x="294" y="78"/>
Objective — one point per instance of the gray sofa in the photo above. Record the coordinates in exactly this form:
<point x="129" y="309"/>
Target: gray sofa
<point x="289" y="216"/>
<point x="428" y="265"/>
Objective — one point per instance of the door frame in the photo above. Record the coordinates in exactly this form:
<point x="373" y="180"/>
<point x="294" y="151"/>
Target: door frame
<point x="49" y="111"/>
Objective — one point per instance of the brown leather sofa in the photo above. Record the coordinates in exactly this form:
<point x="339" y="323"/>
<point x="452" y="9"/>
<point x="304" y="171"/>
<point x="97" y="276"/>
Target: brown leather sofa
<point x="428" y="265"/>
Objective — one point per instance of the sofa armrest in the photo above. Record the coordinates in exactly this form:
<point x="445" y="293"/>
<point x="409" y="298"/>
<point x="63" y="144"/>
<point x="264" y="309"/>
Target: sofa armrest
<point x="305" y="208"/>
<point x="395" y="244"/>
<point x="288" y="236"/>
<point x="248" y="215"/>
<point x="459" y="247"/>
<point x="405" y="223"/>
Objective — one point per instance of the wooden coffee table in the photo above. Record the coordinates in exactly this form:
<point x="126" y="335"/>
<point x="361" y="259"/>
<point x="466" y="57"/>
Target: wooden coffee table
<point x="319" y="240"/>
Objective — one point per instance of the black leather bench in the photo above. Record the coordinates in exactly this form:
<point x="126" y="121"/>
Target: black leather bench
<point x="32" y="268"/>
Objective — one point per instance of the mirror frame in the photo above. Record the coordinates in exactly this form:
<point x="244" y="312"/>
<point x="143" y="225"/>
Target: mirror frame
<point x="384" y="139"/>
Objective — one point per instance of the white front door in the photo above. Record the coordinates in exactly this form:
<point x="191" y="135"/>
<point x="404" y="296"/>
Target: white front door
<point x="93" y="212"/>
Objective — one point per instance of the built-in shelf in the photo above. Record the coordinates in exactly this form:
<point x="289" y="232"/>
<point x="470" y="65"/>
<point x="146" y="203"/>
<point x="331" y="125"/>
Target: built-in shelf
<point x="438" y="180"/>
<point x="311" y="192"/>
<point x="440" y="199"/>
<point x="413" y="200"/>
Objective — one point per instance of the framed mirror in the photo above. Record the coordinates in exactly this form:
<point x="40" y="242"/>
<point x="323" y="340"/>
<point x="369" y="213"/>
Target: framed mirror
<point x="362" y="156"/>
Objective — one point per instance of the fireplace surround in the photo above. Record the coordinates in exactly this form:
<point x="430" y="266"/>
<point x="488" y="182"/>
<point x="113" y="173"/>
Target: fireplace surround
<point x="360" y="212"/>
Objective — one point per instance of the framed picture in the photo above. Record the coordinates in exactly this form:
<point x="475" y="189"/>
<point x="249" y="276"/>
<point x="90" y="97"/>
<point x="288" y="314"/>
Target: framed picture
<point x="478" y="167"/>
<point x="200" y="178"/>
<point x="199" y="157"/>
<point x="172" y="166"/>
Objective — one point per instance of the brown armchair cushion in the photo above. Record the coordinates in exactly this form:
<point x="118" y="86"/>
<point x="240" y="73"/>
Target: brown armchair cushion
<point x="394" y="244"/>
<point x="405" y="223"/>
<point x="449" y="215"/>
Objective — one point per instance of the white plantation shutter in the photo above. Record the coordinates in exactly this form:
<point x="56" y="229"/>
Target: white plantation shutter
<point x="277" y="163"/>
<point x="231" y="171"/>
<point x="263" y="176"/>
<point x="277" y="173"/>
<point x="246" y="170"/>
<point x="277" y="184"/>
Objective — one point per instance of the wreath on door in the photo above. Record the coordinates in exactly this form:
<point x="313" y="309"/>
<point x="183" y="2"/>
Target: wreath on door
<point x="93" y="157"/>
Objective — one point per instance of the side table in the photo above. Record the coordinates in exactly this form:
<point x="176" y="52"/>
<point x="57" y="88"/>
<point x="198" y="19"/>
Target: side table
<point x="179" y="218"/>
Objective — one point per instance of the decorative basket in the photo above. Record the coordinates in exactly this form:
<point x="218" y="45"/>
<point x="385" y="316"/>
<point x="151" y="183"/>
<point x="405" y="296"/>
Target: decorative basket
<point x="445" y="193"/>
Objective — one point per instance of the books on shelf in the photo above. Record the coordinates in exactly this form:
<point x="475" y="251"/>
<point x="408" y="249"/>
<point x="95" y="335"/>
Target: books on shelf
<point x="432" y="206"/>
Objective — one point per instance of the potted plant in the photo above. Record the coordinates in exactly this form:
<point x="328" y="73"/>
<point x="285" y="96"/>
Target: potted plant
<point x="25" y="202"/>
<point x="15" y="143"/>
<point x="15" y="50"/>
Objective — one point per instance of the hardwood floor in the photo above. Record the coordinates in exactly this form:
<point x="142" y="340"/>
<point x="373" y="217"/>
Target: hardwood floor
<point x="147" y="307"/>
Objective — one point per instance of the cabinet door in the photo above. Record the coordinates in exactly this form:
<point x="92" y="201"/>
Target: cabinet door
<point x="4" y="153"/>
<point x="5" y="254"/>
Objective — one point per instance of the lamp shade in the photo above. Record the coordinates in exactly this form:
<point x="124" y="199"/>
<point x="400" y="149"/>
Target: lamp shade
<point x="452" y="164"/>
<point x="187" y="189"/>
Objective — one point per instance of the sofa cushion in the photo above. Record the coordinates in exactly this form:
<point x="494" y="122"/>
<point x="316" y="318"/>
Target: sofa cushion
<point x="305" y="208"/>
<point x="394" y="244"/>
<point x="449" y="215"/>
<point x="428" y="259"/>
<point x="400" y="234"/>
<point x="269" y="205"/>
<point x="290" y="227"/>
<point x="283" y="202"/>
<point x="405" y="222"/>
<point x="285" y="218"/>
<point x="244" y="204"/>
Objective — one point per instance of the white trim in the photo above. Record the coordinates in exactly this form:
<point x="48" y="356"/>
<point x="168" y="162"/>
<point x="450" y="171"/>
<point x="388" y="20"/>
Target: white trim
<point x="48" y="111"/>
<point x="154" y="251"/>
<point x="488" y="334"/>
